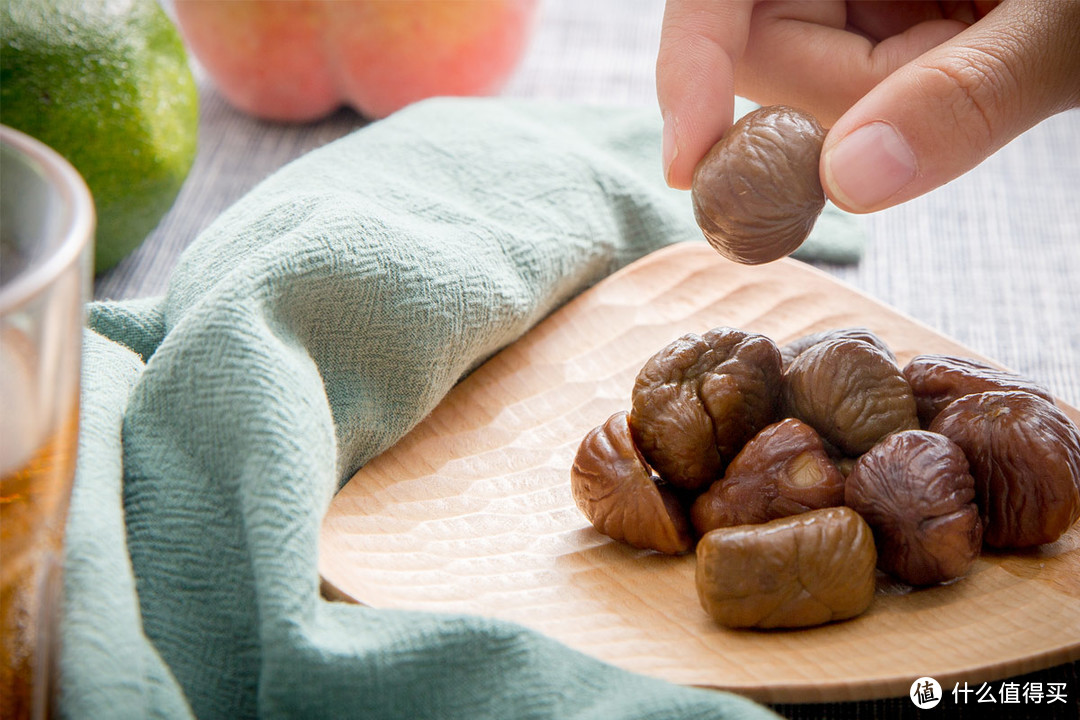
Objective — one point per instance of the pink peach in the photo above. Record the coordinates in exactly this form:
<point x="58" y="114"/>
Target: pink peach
<point x="298" y="60"/>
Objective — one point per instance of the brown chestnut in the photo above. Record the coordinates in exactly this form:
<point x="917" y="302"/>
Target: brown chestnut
<point x="850" y="392"/>
<point x="937" y="380"/>
<point x="783" y="470"/>
<point x="697" y="401"/>
<point x="914" y="490"/>
<point x="615" y="489"/>
<point x="792" y="350"/>
<point x="757" y="192"/>
<point x="797" y="571"/>
<point x="1025" y="457"/>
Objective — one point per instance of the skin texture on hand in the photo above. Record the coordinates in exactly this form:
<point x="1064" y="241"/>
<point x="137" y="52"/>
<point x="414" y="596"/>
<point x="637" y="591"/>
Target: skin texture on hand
<point x="914" y="93"/>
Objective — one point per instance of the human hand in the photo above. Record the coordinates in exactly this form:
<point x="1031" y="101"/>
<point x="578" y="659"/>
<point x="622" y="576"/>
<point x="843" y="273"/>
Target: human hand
<point x="914" y="94"/>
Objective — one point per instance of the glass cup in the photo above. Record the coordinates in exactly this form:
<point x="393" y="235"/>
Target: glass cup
<point x="46" y="256"/>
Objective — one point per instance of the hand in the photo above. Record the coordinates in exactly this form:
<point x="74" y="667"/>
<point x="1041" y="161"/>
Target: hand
<point x="915" y="93"/>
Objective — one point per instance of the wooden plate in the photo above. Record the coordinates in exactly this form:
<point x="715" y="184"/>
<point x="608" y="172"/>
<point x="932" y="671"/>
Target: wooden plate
<point x="472" y="511"/>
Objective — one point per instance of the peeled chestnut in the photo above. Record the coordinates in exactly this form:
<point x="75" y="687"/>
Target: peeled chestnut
<point x="757" y="192"/>
<point x="914" y="490"/>
<point x="615" y="489"/>
<point x="797" y="571"/>
<point x="937" y="380"/>
<point x="783" y="470"/>
<point x="1025" y="457"/>
<point x="792" y="350"/>
<point x="697" y="401"/>
<point x="851" y="392"/>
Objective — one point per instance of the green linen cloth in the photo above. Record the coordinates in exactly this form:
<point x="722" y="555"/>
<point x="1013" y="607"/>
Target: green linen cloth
<point x="302" y="333"/>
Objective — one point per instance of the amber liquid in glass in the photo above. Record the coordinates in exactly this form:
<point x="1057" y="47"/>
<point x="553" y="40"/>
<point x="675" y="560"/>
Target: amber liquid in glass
<point x="33" y="513"/>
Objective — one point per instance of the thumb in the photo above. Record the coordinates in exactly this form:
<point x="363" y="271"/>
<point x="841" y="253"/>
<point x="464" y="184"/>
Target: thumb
<point x="943" y="113"/>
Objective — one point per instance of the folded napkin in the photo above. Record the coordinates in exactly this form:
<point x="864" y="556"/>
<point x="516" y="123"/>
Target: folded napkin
<point x="305" y="331"/>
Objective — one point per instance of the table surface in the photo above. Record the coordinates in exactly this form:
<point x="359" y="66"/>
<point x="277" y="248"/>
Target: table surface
<point x="990" y="259"/>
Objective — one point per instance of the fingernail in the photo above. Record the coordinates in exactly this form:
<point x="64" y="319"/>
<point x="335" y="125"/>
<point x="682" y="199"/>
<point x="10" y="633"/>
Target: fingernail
<point x="668" y="149"/>
<point x="869" y="166"/>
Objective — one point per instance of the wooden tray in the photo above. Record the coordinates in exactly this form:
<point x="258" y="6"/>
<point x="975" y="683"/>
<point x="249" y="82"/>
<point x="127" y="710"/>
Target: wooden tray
<point x="472" y="511"/>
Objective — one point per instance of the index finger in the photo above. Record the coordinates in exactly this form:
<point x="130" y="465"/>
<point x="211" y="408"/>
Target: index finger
<point x="700" y="43"/>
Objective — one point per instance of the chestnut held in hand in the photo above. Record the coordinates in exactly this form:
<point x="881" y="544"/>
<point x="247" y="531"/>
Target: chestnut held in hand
<point x="1025" y="457"/>
<point x="797" y="571"/>
<point x="783" y="470"/>
<point x="757" y="192"/>
<point x="914" y="490"/>
<point x="615" y="489"/>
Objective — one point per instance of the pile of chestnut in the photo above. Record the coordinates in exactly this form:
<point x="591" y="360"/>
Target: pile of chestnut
<point x="799" y="473"/>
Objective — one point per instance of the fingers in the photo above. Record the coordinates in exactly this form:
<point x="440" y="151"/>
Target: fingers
<point x="942" y="114"/>
<point x="700" y="42"/>
<point x="797" y="53"/>
<point x="879" y="20"/>
<point x="806" y="54"/>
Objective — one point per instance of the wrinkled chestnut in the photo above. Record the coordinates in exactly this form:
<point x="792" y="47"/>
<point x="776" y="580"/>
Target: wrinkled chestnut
<point x="850" y="392"/>
<point x="796" y="571"/>
<point x="783" y="470"/>
<point x="1025" y="457"/>
<point x="614" y="488"/>
<point x="792" y="350"/>
<point x="937" y="380"/>
<point x="757" y="192"/>
<point x="697" y="401"/>
<point x="914" y="490"/>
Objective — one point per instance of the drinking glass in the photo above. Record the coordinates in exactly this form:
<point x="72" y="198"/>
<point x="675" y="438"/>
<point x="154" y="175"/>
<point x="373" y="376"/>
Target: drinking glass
<point x="46" y="231"/>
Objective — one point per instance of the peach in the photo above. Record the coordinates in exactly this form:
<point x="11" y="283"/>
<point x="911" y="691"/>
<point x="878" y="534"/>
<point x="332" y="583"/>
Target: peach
<point x="298" y="60"/>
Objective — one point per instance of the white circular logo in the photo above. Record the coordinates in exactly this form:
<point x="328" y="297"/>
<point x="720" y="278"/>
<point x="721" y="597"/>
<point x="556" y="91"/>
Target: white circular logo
<point x="925" y="693"/>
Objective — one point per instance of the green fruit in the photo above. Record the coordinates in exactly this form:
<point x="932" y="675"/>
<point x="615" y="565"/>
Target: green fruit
<point x="106" y="84"/>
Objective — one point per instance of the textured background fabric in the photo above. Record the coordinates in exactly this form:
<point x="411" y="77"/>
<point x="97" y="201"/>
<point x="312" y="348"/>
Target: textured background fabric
<point x="990" y="259"/>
